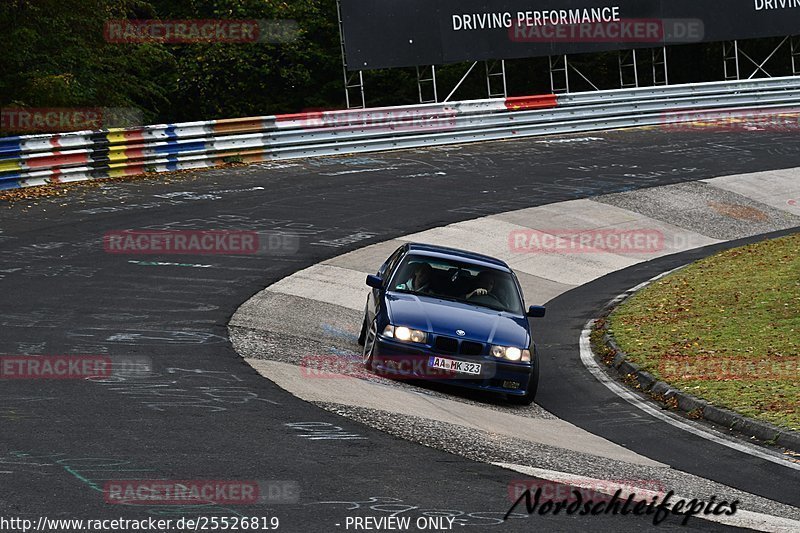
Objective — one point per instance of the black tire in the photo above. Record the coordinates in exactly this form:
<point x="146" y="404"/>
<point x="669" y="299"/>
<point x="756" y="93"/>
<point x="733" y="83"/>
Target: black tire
<point x="363" y="335"/>
<point x="369" y="345"/>
<point x="533" y="386"/>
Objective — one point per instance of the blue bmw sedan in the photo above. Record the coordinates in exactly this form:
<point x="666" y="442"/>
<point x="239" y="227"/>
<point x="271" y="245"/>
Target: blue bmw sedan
<point x="453" y="316"/>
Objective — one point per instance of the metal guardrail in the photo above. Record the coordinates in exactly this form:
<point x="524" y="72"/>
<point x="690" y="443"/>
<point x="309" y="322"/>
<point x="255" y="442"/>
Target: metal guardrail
<point x="40" y="159"/>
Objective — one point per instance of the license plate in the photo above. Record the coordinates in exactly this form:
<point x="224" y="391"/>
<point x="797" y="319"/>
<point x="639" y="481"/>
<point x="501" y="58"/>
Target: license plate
<point x="462" y="367"/>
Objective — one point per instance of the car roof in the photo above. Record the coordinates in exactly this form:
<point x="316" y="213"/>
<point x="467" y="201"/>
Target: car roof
<point x="443" y="252"/>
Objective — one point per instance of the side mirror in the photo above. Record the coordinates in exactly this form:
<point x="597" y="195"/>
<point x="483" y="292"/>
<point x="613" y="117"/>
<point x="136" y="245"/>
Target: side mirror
<point x="374" y="281"/>
<point x="536" y="311"/>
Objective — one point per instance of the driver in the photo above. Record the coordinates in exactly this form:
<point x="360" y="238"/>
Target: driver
<point x="485" y="284"/>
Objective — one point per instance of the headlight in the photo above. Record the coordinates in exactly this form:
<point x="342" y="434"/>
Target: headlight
<point x="405" y="334"/>
<point x="511" y="353"/>
<point x="418" y="336"/>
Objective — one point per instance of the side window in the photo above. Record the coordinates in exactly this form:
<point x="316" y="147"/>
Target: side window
<point x="390" y="264"/>
<point x="396" y="260"/>
<point x="518" y="289"/>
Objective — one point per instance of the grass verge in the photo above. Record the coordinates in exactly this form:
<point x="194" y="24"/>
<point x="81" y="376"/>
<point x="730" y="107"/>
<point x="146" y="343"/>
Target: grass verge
<point x="726" y="329"/>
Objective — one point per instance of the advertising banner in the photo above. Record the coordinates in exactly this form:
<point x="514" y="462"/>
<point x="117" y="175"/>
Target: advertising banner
<point x="402" y="33"/>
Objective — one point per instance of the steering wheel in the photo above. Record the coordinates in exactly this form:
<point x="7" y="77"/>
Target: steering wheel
<point x="487" y="295"/>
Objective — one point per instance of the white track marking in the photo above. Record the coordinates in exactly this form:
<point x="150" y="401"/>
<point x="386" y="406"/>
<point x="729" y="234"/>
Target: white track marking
<point x="589" y="362"/>
<point x="357" y="171"/>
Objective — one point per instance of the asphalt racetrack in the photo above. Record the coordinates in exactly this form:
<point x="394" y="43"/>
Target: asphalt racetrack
<point x="203" y="414"/>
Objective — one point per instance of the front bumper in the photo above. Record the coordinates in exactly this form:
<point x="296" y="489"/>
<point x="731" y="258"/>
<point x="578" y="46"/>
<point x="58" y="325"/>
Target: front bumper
<point x="401" y="360"/>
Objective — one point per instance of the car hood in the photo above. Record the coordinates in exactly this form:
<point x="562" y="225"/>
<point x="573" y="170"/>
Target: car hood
<point x="444" y="317"/>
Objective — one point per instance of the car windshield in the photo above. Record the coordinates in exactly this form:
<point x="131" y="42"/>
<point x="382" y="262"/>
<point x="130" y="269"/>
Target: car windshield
<point x="457" y="281"/>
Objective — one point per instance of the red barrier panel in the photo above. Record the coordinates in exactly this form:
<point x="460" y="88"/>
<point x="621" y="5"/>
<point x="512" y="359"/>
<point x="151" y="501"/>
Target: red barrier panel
<point x="521" y="103"/>
<point x="56" y="159"/>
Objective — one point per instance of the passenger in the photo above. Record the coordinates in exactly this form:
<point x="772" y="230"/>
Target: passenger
<point x="420" y="281"/>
